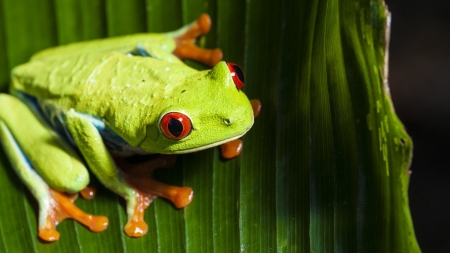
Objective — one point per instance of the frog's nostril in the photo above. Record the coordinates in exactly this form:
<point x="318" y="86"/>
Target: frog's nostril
<point x="227" y="122"/>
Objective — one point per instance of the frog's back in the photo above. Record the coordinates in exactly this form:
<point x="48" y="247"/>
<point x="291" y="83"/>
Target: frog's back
<point x="57" y="77"/>
<point x="92" y="74"/>
<point x="77" y="81"/>
<point x="123" y="44"/>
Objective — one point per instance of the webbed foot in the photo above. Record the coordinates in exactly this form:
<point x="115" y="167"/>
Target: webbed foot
<point x="146" y="188"/>
<point x="61" y="208"/>
<point x="185" y="43"/>
<point x="139" y="176"/>
<point x="136" y="226"/>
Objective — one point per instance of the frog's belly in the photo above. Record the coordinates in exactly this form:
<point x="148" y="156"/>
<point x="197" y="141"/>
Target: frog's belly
<point x="54" y="117"/>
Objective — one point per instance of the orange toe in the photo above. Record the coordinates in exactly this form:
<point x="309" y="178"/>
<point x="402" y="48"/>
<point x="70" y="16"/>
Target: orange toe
<point x="49" y="235"/>
<point x="231" y="149"/>
<point x="182" y="197"/>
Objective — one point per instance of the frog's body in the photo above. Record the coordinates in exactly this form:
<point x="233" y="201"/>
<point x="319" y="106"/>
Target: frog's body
<point x="113" y="96"/>
<point x="108" y="86"/>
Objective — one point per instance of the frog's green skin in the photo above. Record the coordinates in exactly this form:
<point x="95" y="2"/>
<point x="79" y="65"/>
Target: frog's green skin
<point x="130" y="94"/>
<point x="101" y="81"/>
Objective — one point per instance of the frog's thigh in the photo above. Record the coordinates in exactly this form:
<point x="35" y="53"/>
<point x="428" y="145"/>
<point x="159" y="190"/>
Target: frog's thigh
<point x="29" y="177"/>
<point x="49" y="155"/>
<point x="160" y="49"/>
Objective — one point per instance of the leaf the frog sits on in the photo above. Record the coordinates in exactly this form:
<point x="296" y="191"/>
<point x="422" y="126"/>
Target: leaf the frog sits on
<point x="90" y="104"/>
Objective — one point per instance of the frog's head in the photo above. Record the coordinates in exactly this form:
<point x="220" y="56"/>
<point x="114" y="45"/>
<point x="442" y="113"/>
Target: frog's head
<point x="206" y="110"/>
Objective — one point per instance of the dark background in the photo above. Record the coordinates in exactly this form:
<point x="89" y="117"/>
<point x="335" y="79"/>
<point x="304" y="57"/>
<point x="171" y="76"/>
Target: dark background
<point x="420" y="87"/>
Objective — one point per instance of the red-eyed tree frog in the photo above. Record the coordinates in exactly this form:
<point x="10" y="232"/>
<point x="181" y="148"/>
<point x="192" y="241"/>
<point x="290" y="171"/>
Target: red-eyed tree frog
<point x="88" y="104"/>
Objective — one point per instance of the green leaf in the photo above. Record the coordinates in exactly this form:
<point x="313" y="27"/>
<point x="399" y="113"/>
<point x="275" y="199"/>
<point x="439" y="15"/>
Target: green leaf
<point x="324" y="169"/>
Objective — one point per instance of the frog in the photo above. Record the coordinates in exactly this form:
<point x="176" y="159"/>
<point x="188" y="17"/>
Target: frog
<point x="90" y="105"/>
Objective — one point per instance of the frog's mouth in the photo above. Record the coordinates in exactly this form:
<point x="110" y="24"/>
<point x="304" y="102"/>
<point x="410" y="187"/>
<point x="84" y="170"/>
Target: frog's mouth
<point x="190" y="150"/>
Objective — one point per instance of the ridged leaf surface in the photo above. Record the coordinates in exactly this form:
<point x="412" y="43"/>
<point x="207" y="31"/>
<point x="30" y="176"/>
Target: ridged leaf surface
<point x="324" y="169"/>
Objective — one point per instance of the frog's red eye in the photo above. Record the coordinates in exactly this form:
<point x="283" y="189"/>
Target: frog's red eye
<point x="175" y="125"/>
<point x="237" y="74"/>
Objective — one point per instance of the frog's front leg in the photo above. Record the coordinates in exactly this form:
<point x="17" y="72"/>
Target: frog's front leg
<point x="28" y="144"/>
<point x="97" y="156"/>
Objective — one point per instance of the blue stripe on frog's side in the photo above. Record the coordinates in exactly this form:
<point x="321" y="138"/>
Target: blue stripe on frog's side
<point x="54" y="117"/>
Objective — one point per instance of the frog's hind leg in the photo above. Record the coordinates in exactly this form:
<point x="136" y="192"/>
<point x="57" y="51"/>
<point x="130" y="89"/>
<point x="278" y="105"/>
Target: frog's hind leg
<point x="186" y="37"/>
<point x="28" y="143"/>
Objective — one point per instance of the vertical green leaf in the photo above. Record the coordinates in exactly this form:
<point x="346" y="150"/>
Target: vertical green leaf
<point x="163" y="15"/>
<point x="258" y="171"/>
<point x="324" y="169"/>
<point x="80" y="20"/>
<point x="125" y="17"/>
<point x="29" y="27"/>
<point x="4" y="68"/>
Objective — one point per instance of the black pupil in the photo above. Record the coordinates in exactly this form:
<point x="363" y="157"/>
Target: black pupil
<point x="239" y="72"/>
<point x="175" y="127"/>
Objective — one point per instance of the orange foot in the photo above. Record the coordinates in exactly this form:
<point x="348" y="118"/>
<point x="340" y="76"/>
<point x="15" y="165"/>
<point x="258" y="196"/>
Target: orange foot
<point x="136" y="226"/>
<point x="62" y="208"/>
<point x="186" y="49"/>
<point x="233" y="148"/>
<point x="139" y="176"/>
<point x="147" y="188"/>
